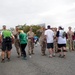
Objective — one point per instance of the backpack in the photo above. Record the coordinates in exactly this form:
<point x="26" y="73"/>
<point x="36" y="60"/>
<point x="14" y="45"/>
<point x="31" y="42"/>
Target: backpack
<point x="64" y="34"/>
<point x="7" y="39"/>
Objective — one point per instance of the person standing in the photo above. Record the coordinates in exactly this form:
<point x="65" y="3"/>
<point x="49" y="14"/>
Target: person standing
<point x="30" y="41"/>
<point x="23" y="43"/>
<point x="70" y="39"/>
<point x="49" y="34"/>
<point x="74" y="40"/>
<point x="42" y="41"/>
<point x="35" y="40"/>
<point x="16" y="41"/>
<point x="61" y="40"/>
<point x="0" y="41"/>
<point x="6" y="43"/>
<point x="55" y="41"/>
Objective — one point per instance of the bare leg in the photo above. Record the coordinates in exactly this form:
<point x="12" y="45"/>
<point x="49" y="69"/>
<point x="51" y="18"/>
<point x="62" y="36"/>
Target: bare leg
<point x="3" y="56"/>
<point x="50" y="51"/>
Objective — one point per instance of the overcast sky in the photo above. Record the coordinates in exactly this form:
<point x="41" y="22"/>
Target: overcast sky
<point x="53" y="12"/>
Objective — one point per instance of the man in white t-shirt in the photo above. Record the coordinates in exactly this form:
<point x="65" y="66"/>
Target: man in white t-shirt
<point x="50" y="39"/>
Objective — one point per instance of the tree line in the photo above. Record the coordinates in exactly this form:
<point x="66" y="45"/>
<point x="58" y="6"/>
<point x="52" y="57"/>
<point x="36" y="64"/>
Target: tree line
<point x="26" y="28"/>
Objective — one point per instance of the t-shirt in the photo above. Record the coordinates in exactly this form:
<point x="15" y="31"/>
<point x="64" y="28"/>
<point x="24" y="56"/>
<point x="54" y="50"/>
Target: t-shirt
<point x="23" y="38"/>
<point x="30" y="34"/>
<point x="61" y="39"/>
<point x="50" y="34"/>
<point x="6" y="33"/>
<point x="42" y="36"/>
<point x="16" y="34"/>
<point x="35" y="37"/>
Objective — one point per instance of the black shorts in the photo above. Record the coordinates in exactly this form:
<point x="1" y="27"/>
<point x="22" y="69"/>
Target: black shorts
<point x="6" y="46"/>
<point x="49" y="45"/>
<point x="61" y="45"/>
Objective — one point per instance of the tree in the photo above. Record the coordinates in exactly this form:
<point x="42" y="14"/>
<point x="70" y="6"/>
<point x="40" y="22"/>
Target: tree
<point x="26" y="28"/>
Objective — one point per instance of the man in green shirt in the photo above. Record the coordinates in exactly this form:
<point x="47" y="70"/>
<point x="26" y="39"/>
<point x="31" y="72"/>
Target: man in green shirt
<point x="6" y="37"/>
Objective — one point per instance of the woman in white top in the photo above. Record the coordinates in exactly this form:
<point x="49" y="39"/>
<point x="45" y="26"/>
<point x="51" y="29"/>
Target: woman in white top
<point x="61" y="40"/>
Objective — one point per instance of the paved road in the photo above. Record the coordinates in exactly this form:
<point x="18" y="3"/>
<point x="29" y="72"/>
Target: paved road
<point x="39" y="65"/>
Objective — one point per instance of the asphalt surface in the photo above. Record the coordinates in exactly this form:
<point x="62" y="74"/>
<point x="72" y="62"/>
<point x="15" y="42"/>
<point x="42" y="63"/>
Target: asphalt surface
<point x="38" y="65"/>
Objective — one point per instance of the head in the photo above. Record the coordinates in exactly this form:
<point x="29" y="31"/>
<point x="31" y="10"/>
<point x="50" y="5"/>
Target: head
<point x="21" y="31"/>
<point x="4" y="27"/>
<point x="35" y="34"/>
<point x="52" y="29"/>
<point x="60" y="28"/>
<point x="42" y="28"/>
<point x="48" y="27"/>
<point x="55" y="29"/>
<point x="30" y="28"/>
<point x="69" y="28"/>
<point x="17" y="28"/>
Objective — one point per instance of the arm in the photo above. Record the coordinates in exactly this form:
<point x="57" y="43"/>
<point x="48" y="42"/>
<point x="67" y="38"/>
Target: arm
<point x="57" y="35"/>
<point x="12" y="36"/>
<point x="45" y="36"/>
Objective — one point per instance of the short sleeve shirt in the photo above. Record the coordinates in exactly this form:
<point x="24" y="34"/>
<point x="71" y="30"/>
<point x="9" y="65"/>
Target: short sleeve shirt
<point x="61" y="40"/>
<point x="30" y="34"/>
<point x="50" y="35"/>
<point x="6" y="33"/>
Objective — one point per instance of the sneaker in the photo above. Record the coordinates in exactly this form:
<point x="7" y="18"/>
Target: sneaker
<point x="30" y="56"/>
<point x="60" y="55"/>
<point x="8" y="59"/>
<point x="53" y="55"/>
<point x="2" y="61"/>
<point x="18" y="56"/>
<point x="24" y="58"/>
<point x="29" y="53"/>
<point x="63" y="56"/>
<point x="35" y="45"/>
<point x="32" y="53"/>
<point x="42" y="54"/>
<point x="50" y="56"/>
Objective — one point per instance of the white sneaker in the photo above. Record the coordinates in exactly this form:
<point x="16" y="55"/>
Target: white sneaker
<point x="36" y="45"/>
<point x="30" y="56"/>
<point x="50" y="56"/>
<point x="54" y="55"/>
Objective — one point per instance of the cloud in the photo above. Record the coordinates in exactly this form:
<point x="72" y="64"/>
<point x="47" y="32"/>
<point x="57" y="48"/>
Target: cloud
<point x="54" y="12"/>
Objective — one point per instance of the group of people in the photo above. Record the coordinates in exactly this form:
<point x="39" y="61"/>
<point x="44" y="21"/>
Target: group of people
<point x="55" y="40"/>
<point x="20" y="39"/>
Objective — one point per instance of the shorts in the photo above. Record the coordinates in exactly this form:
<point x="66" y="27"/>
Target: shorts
<point x="6" y="46"/>
<point x="61" y="45"/>
<point x="50" y="45"/>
